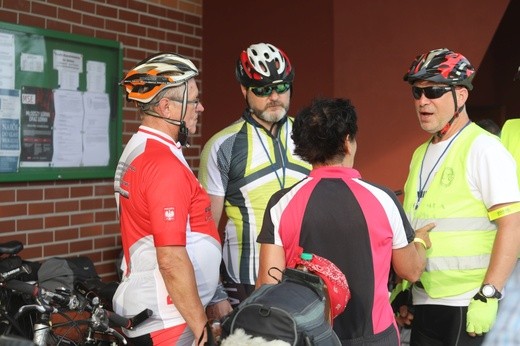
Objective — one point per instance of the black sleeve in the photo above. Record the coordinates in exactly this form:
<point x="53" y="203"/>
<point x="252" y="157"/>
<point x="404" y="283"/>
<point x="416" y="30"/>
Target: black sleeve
<point x="266" y="234"/>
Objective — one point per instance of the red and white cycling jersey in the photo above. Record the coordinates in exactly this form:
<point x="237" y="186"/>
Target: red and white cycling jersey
<point x="161" y="202"/>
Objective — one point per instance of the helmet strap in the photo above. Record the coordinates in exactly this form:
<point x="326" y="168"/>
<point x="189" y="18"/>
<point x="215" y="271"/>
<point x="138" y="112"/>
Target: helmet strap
<point x="446" y="127"/>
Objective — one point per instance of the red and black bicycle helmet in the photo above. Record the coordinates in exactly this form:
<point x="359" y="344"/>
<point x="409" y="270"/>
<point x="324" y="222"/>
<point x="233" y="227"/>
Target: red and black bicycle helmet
<point x="441" y="66"/>
<point x="263" y="64"/>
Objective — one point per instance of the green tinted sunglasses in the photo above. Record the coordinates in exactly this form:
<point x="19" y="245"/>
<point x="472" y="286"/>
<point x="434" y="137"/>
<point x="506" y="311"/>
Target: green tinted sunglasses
<point x="268" y="90"/>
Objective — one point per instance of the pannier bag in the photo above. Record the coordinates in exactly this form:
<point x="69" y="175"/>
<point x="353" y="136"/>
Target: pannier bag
<point x="292" y="311"/>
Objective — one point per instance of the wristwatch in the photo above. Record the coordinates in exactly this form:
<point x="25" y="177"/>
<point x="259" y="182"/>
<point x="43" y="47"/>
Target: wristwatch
<point x="488" y="291"/>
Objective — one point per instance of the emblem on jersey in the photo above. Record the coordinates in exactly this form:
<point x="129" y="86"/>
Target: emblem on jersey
<point x="169" y="214"/>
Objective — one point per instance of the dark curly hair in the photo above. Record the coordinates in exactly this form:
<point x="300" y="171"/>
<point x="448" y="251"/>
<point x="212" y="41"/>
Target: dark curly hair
<point x="320" y="130"/>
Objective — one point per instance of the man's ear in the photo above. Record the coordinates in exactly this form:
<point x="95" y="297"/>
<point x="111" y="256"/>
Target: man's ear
<point x="244" y="90"/>
<point x="462" y="96"/>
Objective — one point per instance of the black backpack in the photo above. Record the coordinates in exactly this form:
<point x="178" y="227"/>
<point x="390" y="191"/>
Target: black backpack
<point x="292" y="310"/>
<point x="59" y="272"/>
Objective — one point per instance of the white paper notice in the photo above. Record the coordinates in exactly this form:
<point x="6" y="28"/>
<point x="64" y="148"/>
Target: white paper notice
<point x="68" y="122"/>
<point x="96" y="150"/>
<point x="7" y="61"/>
<point x="96" y="76"/>
<point x="9" y="130"/>
<point x="69" y="66"/>
<point x="31" y="62"/>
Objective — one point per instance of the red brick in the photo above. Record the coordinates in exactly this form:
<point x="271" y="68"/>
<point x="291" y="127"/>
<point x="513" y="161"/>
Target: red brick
<point x="105" y="242"/>
<point x="5" y="237"/>
<point x="66" y="234"/>
<point x="127" y="40"/>
<point x="106" y="35"/>
<point x="175" y="15"/>
<point x="81" y="191"/>
<point x="174" y="37"/>
<point x="116" y="26"/>
<point x="29" y="253"/>
<point x="56" y="250"/>
<point x="82" y="30"/>
<point x="109" y="203"/>
<point x="83" y="6"/>
<point x="93" y="21"/>
<point x="156" y="34"/>
<point x="194" y="20"/>
<point x="157" y="11"/>
<point x="91" y="231"/>
<point x="29" y="195"/>
<point x="105" y="11"/>
<point x="43" y="9"/>
<point x="41" y="237"/>
<point x="29" y="224"/>
<point x="56" y="192"/>
<point x="63" y="3"/>
<point x="148" y="44"/>
<point x="81" y="219"/>
<point x="104" y="190"/>
<point x="8" y="196"/>
<point x="89" y="204"/>
<point x="138" y="6"/>
<point x="36" y="21"/>
<point x="81" y="246"/>
<point x="57" y="221"/>
<point x="13" y="210"/>
<point x="68" y="15"/>
<point x="41" y="208"/>
<point x="8" y="16"/>
<point x="65" y="206"/>
<point x="147" y="20"/>
<point x="58" y="25"/>
<point x="128" y="16"/>
<point x="21" y="6"/>
<point x="106" y="216"/>
<point x="7" y="226"/>
<point x="112" y="228"/>
<point x="188" y="29"/>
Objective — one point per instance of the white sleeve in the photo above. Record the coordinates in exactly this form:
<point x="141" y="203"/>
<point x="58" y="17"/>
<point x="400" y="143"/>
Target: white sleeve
<point x="491" y="172"/>
<point x="212" y="176"/>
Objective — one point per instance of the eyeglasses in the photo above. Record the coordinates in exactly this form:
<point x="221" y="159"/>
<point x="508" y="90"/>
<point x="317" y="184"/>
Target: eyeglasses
<point x="195" y="102"/>
<point x="431" y="92"/>
<point x="268" y="90"/>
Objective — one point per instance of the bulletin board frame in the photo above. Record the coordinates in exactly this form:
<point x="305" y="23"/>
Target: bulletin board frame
<point x="43" y="44"/>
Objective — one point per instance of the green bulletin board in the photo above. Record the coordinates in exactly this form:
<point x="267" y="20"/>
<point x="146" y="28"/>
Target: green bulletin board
<point x="60" y="105"/>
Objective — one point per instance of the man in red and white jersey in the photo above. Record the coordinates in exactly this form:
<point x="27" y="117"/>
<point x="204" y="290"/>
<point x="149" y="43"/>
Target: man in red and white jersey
<point x="171" y="245"/>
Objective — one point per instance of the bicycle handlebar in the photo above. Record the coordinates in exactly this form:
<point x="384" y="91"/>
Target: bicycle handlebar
<point x="37" y="292"/>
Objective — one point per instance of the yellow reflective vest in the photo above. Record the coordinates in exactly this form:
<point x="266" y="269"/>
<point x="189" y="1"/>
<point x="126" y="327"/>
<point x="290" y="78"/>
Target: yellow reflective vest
<point x="463" y="237"/>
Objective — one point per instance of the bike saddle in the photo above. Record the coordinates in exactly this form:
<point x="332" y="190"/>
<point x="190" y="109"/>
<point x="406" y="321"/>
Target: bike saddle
<point x="11" y="247"/>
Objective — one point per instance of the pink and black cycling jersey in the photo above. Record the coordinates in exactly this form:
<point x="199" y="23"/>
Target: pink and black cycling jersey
<point x="355" y="224"/>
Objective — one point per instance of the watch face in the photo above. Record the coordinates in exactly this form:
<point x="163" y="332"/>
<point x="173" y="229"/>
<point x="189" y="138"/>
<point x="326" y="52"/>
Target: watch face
<point x="488" y="291"/>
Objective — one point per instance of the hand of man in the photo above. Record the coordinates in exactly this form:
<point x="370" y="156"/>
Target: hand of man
<point x="401" y="301"/>
<point x="423" y="233"/>
<point x="218" y="310"/>
<point x="481" y="316"/>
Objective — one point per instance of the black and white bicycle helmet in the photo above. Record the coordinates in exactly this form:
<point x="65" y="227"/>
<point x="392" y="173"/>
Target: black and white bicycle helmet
<point x="263" y="64"/>
<point x="155" y="73"/>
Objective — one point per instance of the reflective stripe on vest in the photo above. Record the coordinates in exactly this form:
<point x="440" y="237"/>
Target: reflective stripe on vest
<point x="461" y="245"/>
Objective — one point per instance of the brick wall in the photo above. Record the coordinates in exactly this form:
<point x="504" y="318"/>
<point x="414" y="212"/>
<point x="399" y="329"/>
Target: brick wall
<point x="78" y="217"/>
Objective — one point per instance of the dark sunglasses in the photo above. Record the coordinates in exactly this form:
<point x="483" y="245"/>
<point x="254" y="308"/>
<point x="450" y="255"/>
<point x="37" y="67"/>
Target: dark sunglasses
<point x="431" y="92"/>
<point x="268" y="90"/>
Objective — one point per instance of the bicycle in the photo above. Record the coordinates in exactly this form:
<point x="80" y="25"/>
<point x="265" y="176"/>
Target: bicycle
<point x="12" y="266"/>
<point x="99" y="322"/>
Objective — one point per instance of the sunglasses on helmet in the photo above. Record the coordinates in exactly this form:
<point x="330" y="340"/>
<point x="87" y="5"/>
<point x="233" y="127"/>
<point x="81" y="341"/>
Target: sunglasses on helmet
<point x="431" y="92"/>
<point x="268" y="90"/>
